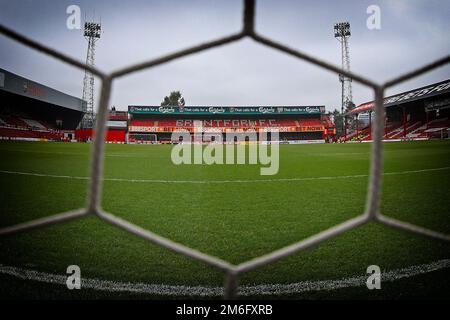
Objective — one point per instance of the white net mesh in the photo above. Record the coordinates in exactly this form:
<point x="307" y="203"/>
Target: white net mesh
<point x="232" y="271"/>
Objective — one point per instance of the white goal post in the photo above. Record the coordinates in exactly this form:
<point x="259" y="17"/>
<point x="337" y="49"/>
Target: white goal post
<point x="143" y="137"/>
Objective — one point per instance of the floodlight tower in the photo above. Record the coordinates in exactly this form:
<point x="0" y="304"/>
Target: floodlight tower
<point x="342" y="34"/>
<point x="92" y="31"/>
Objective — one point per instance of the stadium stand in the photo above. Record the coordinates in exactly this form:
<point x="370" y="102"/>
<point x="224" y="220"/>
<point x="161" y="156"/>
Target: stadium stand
<point x="33" y="111"/>
<point x="418" y="114"/>
<point x="34" y="124"/>
<point x="151" y="124"/>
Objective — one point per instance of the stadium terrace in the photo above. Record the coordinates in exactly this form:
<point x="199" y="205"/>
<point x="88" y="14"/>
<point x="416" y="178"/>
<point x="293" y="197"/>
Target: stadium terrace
<point x="295" y="124"/>
<point x="419" y="114"/>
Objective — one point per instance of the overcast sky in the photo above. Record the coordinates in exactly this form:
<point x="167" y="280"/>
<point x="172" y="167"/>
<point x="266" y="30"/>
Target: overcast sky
<point x="413" y="33"/>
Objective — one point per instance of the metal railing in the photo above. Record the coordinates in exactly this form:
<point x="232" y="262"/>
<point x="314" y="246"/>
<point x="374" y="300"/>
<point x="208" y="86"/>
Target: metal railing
<point x="232" y="272"/>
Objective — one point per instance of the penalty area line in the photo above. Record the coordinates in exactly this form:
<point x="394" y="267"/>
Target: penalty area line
<point x="221" y="181"/>
<point x="206" y="291"/>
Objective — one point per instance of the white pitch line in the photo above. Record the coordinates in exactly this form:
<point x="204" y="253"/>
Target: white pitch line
<point x="219" y="181"/>
<point x="255" y="290"/>
<point x="123" y="155"/>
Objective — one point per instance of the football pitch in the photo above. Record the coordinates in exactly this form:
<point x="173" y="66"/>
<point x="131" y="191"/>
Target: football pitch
<point x="228" y="211"/>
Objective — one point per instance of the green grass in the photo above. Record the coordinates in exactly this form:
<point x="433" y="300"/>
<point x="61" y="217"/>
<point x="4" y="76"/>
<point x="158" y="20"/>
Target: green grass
<point x="235" y="222"/>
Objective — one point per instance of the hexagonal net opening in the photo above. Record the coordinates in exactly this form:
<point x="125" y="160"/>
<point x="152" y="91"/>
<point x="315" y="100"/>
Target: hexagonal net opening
<point x="232" y="272"/>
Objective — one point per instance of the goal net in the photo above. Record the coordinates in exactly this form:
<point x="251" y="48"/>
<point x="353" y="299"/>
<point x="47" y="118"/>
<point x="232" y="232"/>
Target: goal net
<point x="149" y="138"/>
